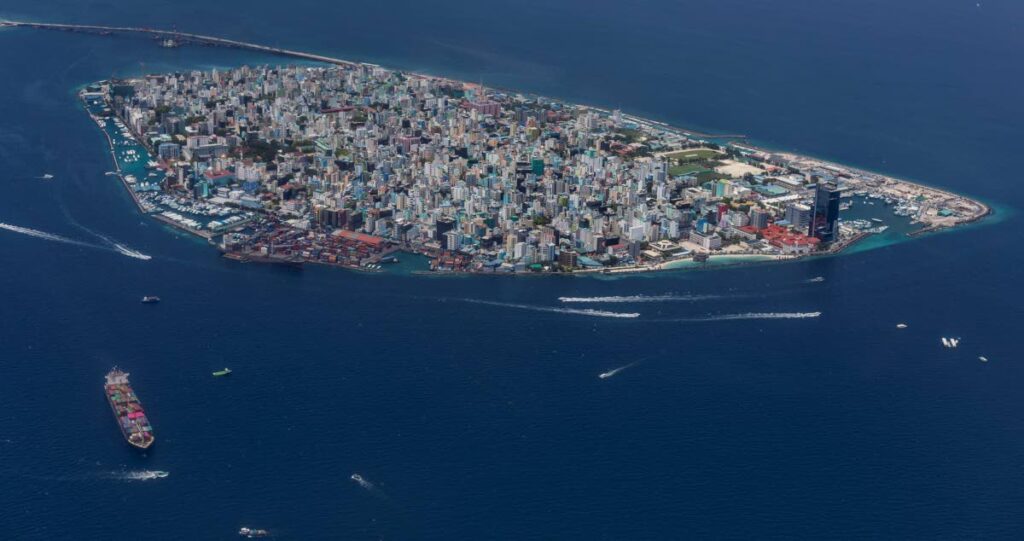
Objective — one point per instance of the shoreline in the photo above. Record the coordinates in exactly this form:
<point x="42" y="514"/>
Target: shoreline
<point x="880" y="183"/>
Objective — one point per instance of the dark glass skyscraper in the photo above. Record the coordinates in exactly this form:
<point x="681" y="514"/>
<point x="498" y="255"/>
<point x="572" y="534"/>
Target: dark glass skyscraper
<point x="825" y="214"/>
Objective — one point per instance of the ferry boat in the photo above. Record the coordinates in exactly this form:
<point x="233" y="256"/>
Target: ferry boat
<point x="131" y="418"/>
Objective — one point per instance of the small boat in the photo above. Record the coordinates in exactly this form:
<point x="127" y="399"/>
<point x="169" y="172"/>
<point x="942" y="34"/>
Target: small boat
<point x="983" y="359"/>
<point x="220" y="373"/>
<point x="150" y="299"/>
<point x="945" y="342"/>
<point x="954" y="342"/>
<point x="253" y="533"/>
<point x="901" y="325"/>
<point x="876" y="220"/>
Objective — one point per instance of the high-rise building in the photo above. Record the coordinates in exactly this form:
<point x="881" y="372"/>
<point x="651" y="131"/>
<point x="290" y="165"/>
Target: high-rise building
<point x="798" y="215"/>
<point x="759" y="218"/>
<point x="443" y="226"/>
<point x="825" y="218"/>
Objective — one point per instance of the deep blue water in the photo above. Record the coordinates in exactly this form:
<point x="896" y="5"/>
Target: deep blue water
<point x="481" y="421"/>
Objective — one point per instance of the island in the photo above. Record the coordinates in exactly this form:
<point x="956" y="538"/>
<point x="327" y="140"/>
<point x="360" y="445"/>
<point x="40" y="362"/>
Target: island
<point x="351" y="164"/>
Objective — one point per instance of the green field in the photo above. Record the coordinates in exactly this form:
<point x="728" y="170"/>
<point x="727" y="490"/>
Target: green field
<point x="692" y="154"/>
<point x="686" y="169"/>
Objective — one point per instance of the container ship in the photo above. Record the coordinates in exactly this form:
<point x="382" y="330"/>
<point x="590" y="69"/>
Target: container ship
<point x="131" y="418"/>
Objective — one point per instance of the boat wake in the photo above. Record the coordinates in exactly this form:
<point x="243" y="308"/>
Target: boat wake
<point x="751" y="315"/>
<point x="122" y="475"/>
<point x="370" y="487"/>
<point x="556" y="310"/>
<point x="46" y="236"/>
<point x="124" y="250"/>
<point x="640" y="298"/>
<point x="140" y="475"/>
<point x="113" y="246"/>
<point x="612" y="372"/>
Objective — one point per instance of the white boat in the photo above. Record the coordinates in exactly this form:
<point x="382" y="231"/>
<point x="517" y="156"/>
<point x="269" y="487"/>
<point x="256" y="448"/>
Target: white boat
<point x="945" y="342"/>
<point x="901" y="325"/>
<point x="954" y="342"/>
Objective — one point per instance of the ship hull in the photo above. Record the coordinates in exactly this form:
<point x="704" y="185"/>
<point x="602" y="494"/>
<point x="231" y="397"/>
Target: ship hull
<point x="128" y="412"/>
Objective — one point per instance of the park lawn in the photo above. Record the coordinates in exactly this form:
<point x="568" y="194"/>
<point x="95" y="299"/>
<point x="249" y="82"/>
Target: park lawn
<point x="693" y="154"/>
<point x="686" y="169"/>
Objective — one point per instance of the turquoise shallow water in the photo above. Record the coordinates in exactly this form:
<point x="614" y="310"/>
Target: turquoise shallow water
<point x="472" y="404"/>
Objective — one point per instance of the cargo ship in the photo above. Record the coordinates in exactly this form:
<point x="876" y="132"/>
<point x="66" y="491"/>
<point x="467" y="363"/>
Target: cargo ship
<point x="131" y="418"/>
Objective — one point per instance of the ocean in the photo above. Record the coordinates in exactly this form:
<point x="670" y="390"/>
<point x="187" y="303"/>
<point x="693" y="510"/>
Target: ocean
<point x="761" y="401"/>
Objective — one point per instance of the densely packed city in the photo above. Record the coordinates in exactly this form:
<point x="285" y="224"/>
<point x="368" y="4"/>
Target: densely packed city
<point x="346" y="165"/>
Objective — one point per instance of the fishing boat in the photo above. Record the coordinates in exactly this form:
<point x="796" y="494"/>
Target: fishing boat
<point x="220" y="373"/>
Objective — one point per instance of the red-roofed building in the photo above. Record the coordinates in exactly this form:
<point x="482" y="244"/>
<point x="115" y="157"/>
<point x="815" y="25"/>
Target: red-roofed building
<point x="376" y="242"/>
<point x="788" y="241"/>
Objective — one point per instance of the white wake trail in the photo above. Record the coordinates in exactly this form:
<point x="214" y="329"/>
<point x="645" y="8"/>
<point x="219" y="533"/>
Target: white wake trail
<point x="555" y="310"/>
<point x="114" y="246"/>
<point x="612" y="372"/>
<point x="752" y="315"/>
<point x="141" y="475"/>
<point x="122" y="249"/>
<point x="370" y="487"/>
<point x="639" y="298"/>
<point x="46" y="236"/>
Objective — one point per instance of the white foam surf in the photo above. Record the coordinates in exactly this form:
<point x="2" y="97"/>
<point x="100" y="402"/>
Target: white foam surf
<point x="556" y="310"/>
<point x="639" y="298"/>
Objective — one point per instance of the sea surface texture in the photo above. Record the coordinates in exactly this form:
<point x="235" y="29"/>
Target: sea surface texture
<point x="756" y="402"/>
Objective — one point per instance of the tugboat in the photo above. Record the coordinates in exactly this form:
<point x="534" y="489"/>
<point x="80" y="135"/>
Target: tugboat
<point x="148" y="299"/>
